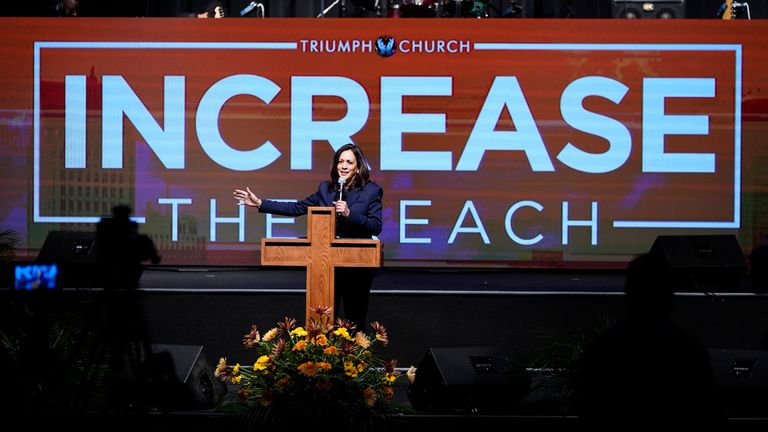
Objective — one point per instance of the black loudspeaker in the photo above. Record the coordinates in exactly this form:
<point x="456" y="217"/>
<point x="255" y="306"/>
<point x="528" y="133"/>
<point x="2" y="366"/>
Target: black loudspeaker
<point x="701" y="263"/>
<point x="184" y="379"/>
<point x="741" y="379"/>
<point x="467" y="380"/>
<point x="74" y="252"/>
<point x="667" y="9"/>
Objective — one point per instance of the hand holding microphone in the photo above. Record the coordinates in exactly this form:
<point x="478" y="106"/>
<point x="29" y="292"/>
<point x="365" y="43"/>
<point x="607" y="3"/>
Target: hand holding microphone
<point x="341" y="205"/>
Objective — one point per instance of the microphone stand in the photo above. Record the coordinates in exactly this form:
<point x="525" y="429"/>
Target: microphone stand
<point x="342" y="8"/>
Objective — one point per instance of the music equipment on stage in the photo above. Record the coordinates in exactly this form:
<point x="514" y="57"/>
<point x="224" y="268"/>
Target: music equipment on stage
<point x="459" y="9"/>
<point x="467" y="380"/>
<point x="734" y="10"/>
<point x="634" y="9"/>
<point x="416" y="8"/>
<point x="741" y="379"/>
<point x="184" y="378"/>
<point x="74" y="252"/>
<point x="701" y="263"/>
<point x="438" y="9"/>
<point x="253" y="9"/>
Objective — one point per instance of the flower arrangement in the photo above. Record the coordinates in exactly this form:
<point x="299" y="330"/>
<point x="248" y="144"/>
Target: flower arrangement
<point x="314" y="370"/>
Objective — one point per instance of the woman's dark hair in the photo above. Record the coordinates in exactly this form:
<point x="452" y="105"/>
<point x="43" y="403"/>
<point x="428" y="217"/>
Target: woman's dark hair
<point x="362" y="177"/>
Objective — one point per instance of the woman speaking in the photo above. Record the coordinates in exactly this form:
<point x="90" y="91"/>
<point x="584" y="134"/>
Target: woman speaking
<point x="357" y="200"/>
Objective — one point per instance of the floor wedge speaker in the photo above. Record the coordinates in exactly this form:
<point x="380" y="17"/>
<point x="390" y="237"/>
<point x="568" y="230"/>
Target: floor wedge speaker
<point x="184" y="378"/>
<point x="74" y="252"/>
<point x="741" y="378"/>
<point x="701" y="263"/>
<point x="467" y="380"/>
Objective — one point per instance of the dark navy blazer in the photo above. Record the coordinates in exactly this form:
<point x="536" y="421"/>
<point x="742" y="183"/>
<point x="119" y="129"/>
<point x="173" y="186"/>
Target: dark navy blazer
<point x="364" y="204"/>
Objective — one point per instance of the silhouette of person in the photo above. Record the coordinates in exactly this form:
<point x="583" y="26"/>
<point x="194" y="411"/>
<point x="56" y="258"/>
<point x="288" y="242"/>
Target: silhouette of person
<point x="214" y="10"/>
<point x="120" y="252"/>
<point x="67" y="8"/>
<point x="758" y="267"/>
<point x="644" y="370"/>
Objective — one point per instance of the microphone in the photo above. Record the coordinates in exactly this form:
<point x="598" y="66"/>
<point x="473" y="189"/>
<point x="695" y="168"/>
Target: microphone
<point x="341" y="180"/>
<point x="253" y="5"/>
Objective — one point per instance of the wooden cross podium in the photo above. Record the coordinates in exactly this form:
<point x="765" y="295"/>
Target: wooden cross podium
<point x="320" y="253"/>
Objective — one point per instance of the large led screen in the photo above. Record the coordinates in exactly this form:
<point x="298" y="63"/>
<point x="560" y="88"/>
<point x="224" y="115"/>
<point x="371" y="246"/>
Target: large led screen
<point x="497" y="142"/>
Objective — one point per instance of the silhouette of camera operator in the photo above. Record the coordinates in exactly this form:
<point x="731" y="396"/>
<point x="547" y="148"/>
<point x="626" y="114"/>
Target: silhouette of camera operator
<point x="646" y="371"/>
<point x="121" y="250"/>
<point x="120" y="254"/>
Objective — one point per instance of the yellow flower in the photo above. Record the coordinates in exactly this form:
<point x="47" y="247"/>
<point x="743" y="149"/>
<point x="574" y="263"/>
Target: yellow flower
<point x="361" y="367"/>
<point x="299" y="331"/>
<point x="261" y="363"/>
<point x="342" y="331"/>
<point x="390" y="377"/>
<point x="236" y="370"/>
<point x="237" y="379"/>
<point x="350" y="370"/>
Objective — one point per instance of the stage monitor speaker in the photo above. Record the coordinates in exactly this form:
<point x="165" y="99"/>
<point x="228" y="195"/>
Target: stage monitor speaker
<point x="467" y="380"/>
<point x="741" y="379"/>
<point x="75" y="254"/>
<point x="701" y="263"/>
<point x="633" y="9"/>
<point x="184" y="378"/>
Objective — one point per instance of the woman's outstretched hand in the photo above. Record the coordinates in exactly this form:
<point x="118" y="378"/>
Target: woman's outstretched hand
<point x="246" y="197"/>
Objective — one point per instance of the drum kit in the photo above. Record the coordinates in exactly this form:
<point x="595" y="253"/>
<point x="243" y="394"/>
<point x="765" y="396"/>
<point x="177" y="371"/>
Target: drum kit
<point x="436" y="9"/>
<point x="439" y="8"/>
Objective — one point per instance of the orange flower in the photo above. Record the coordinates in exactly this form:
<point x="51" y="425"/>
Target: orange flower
<point x="300" y="345"/>
<point x="388" y="392"/>
<point x="283" y="381"/>
<point x="370" y="396"/>
<point x="321" y="340"/>
<point x="308" y="368"/>
<point x="244" y="394"/>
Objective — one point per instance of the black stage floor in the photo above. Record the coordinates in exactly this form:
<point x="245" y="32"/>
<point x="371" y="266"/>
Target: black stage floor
<point x="391" y="280"/>
<point x="521" y="310"/>
<point x="413" y="280"/>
